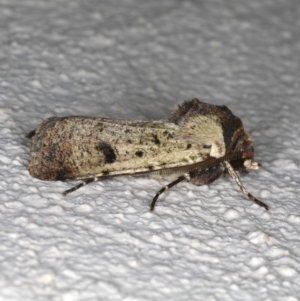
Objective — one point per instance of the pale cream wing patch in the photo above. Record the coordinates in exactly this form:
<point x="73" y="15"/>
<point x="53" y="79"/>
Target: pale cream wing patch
<point x="205" y="130"/>
<point x="140" y="149"/>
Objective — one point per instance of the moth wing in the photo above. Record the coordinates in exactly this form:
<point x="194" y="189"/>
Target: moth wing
<point x="80" y="148"/>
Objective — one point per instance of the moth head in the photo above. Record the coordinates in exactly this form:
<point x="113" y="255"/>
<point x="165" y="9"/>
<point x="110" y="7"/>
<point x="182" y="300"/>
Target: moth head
<point x="244" y="144"/>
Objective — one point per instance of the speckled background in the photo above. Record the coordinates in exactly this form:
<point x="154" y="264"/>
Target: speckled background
<point x="138" y="59"/>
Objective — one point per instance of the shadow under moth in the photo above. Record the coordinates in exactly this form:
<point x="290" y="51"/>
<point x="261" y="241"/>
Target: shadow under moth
<point x="198" y="143"/>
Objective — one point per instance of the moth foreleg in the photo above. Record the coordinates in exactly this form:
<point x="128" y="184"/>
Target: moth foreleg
<point x="234" y="175"/>
<point x="178" y="180"/>
<point x="85" y="182"/>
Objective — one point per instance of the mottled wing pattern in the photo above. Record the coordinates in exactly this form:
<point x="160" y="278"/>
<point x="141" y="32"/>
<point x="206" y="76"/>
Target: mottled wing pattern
<point x="79" y="148"/>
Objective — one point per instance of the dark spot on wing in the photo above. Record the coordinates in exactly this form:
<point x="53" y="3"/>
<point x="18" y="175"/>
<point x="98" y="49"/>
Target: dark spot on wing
<point x="139" y="154"/>
<point x="60" y="175"/>
<point x="107" y="150"/>
<point x="168" y="135"/>
<point x="155" y="139"/>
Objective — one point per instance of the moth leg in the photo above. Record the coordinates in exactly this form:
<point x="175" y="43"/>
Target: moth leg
<point x="234" y="175"/>
<point x="178" y="180"/>
<point x="85" y="182"/>
<point x="206" y="176"/>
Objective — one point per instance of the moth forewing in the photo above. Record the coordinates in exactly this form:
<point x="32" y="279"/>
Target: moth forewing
<point x="199" y="143"/>
<point x="81" y="148"/>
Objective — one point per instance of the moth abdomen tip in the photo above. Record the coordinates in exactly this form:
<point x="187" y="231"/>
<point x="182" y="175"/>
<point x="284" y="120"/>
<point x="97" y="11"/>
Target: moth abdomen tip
<point x="30" y="134"/>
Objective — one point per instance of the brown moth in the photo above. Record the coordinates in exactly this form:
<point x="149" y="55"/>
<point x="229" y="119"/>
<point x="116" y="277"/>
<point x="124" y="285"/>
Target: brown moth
<point x="198" y="143"/>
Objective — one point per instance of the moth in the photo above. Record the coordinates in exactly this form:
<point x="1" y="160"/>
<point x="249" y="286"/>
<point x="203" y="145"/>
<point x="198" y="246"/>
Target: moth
<point x="199" y="143"/>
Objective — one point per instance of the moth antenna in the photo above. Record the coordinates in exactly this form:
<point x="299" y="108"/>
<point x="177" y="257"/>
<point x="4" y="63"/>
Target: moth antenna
<point x="235" y="176"/>
<point x="85" y="182"/>
<point x="178" y="180"/>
